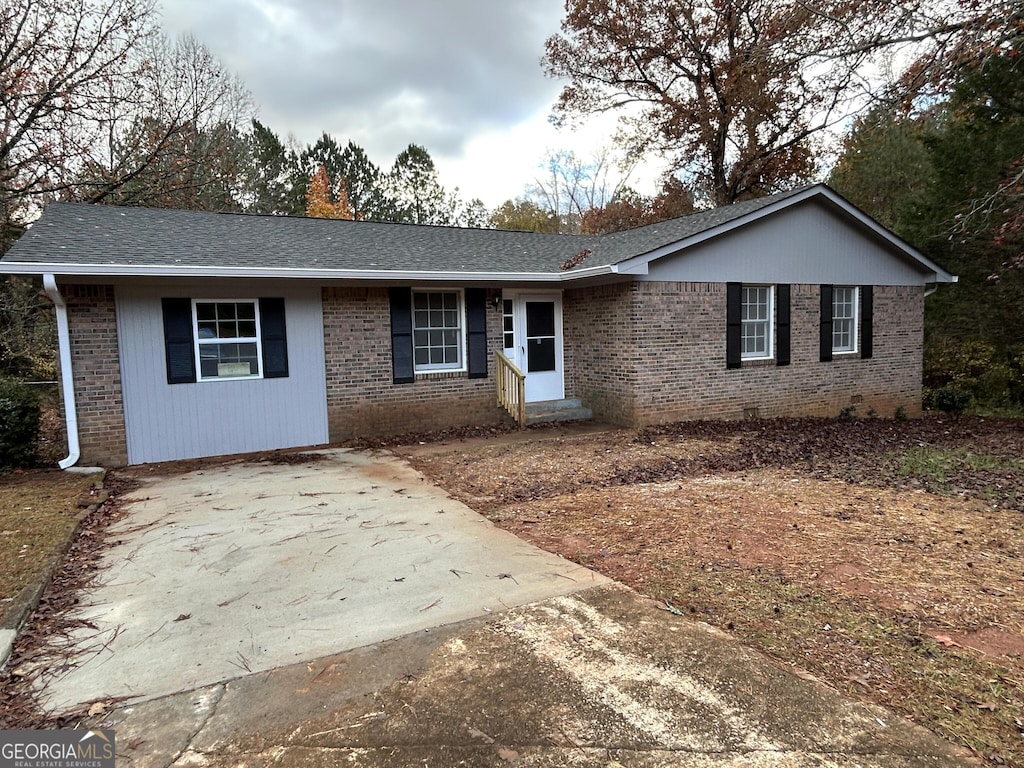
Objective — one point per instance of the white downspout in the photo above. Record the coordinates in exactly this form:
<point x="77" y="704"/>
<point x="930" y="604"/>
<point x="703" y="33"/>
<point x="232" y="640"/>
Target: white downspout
<point x="67" y="379"/>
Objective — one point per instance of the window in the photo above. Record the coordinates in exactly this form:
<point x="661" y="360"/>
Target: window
<point x="227" y="337"/>
<point x="844" y="319"/>
<point x="756" y="322"/>
<point x="437" y="330"/>
<point x="224" y="340"/>
<point x="507" y="324"/>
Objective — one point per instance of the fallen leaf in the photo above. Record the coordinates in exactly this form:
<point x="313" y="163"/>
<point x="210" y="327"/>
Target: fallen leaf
<point x="507" y="754"/>
<point x="991" y="706"/>
<point x="947" y="641"/>
<point x="183" y="617"/>
<point x="478" y="734"/>
<point x="97" y="708"/>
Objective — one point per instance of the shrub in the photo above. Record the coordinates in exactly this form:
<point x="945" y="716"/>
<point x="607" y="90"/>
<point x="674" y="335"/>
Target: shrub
<point x="19" y="424"/>
<point x="950" y="399"/>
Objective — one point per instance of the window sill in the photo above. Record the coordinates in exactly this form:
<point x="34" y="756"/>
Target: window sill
<point x="211" y="379"/>
<point x="759" y="362"/>
<point x="432" y="375"/>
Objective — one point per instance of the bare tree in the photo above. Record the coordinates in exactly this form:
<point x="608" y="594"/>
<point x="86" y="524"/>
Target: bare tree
<point x="178" y="142"/>
<point x="570" y="186"/>
<point x="63" y="64"/>
<point x="94" y="100"/>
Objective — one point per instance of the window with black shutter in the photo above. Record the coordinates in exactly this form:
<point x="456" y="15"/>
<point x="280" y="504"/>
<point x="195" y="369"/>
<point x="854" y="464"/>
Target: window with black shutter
<point x="224" y="339"/>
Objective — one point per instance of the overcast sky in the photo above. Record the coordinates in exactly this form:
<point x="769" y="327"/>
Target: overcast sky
<point x="461" y="77"/>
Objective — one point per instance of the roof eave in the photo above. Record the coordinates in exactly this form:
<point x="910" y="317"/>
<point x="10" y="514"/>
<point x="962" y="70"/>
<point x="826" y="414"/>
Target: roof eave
<point x="287" y="273"/>
<point x="932" y="272"/>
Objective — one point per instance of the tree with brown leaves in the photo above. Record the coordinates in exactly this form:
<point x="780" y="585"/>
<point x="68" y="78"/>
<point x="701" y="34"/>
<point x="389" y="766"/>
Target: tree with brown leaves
<point x="319" y="204"/>
<point x="738" y="94"/>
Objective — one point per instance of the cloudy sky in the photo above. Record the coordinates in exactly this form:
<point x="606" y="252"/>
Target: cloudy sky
<point x="461" y="77"/>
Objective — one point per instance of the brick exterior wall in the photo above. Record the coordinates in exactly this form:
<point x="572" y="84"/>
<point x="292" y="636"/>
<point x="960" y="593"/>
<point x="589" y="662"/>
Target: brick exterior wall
<point x="362" y="399"/>
<point x="661" y="356"/>
<point x="601" y="357"/>
<point x="92" y="323"/>
<point x="636" y="353"/>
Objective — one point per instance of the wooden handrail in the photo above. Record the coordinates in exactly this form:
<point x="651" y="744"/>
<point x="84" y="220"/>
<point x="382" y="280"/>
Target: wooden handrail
<point x="511" y="388"/>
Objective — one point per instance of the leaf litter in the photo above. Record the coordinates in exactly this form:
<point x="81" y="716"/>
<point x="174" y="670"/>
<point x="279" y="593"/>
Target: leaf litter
<point x="884" y="557"/>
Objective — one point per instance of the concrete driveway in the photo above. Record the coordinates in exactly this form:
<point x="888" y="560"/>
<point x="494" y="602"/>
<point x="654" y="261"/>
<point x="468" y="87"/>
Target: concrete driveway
<point x="336" y="608"/>
<point x="247" y="567"/>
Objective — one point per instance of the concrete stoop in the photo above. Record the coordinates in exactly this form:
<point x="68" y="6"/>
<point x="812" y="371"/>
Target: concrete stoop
<point x="567" y="409"/>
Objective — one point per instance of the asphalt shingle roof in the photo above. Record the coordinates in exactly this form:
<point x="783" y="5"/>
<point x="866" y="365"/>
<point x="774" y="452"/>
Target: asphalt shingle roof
<point x="78" y="233"/>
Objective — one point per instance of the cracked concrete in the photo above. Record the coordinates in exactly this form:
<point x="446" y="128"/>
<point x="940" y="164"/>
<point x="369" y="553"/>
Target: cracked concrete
<point x="385" y="624"/>
<point x="598" y="678"/>
<point x="250" y="566"/>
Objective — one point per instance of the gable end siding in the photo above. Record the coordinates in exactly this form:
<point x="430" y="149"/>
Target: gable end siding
<point x="808" y="243"/>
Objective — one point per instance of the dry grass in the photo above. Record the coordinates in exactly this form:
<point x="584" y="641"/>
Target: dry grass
<point x="37" y="510"/>
<point x="884" y="559"/>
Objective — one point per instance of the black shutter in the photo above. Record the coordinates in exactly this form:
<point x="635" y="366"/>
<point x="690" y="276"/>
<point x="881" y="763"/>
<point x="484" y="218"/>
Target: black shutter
<point x="782" y="345"/>
<point x="401" y="335"/>
<point x="180" y="351"/>
<point x="867" y="318"/>
<point x="476" y="328"/>
<point x="825" y="332"/>
<point x="274" y="338"/>
<point x="733" y="325"/>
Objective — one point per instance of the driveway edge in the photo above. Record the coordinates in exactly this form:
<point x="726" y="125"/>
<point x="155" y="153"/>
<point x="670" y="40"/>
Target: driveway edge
<point x="26" y="601"/>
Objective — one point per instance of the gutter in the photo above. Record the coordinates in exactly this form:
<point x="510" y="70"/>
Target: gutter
<point x="66" y="376"/>
<point x="297" y="273"/>
<point x="930" y="288"/>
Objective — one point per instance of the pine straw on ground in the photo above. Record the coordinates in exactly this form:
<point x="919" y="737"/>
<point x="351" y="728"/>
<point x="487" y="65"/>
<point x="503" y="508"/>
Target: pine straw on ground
<point x="38" y="509"/>
<point x="52" y="619"/>
<point x="882" y="557"/>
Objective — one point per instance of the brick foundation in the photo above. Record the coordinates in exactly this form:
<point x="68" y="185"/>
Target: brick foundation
<point x="362" y="400"/>
<point x="92" y="323"/>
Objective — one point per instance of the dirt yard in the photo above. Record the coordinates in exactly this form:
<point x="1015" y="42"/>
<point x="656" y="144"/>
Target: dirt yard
<point x="885" y="558"/>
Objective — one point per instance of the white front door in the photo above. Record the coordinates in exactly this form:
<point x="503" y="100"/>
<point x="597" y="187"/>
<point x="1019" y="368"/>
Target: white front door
<point x="534" y="342"/>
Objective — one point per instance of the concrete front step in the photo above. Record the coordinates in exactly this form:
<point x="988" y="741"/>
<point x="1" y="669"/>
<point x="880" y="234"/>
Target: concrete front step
<point x="568" y="409"/>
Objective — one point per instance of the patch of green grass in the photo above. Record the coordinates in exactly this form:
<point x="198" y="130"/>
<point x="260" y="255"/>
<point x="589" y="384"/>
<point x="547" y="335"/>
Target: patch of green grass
<point x="937" y="464"/>
<point x="1013" y="411"/>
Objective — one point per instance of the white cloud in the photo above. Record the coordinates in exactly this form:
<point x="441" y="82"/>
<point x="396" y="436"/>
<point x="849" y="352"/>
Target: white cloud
<point x="461" y="77"/>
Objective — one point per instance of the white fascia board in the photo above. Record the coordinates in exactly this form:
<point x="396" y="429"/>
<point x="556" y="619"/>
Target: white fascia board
<point x="634" y="265"/>
<point x="130" y="270"/>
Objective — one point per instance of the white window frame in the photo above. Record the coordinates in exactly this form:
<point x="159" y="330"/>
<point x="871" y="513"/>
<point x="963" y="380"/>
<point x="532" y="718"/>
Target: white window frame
<point x="198" y="343"/>
<point x="461" y="366"/>
<point x="852" y="319"/>
<point x="768" y="322"/>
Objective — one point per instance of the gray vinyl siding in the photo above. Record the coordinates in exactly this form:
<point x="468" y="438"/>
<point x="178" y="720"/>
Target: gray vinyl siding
<point x="165" y="422"/>
<point x="804" y="244"/>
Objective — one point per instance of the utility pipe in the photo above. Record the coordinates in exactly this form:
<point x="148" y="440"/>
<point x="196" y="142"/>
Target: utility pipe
<point x="66" y="377"/>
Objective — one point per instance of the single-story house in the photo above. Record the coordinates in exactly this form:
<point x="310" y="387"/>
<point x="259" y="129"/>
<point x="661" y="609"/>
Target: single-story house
<point x="187" y="334"/>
